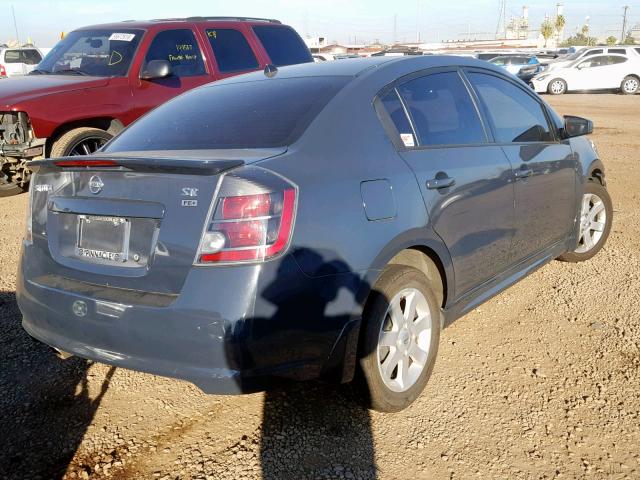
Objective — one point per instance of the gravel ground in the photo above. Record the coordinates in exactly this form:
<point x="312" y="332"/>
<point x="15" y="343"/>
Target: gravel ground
<point x="540" y="382"/>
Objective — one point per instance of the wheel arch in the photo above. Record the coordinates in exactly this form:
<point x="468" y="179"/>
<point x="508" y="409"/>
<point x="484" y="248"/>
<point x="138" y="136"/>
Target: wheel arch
<point x="595" y="171"/>
<point x="108" y="124"/>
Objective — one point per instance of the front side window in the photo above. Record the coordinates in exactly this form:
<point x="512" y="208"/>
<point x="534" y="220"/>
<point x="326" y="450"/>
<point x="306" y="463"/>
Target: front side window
<point x="514" y="114"/>
<point x="283" y="45"/>
<point x="231" y="49"/>
<point x="100" y="53"/>
<point x="180" y="49"/>
<point x="442" y="110"/>
<point x="594" y="52"/>
<point x="30" y="57"/>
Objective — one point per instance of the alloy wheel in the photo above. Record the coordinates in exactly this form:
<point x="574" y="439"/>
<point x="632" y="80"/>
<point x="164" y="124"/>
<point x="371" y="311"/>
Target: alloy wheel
<point x="593" y="220"/>
<point x="404" y="340"/>
<point x="631" y="85"/>
<point x="557" y="87"/>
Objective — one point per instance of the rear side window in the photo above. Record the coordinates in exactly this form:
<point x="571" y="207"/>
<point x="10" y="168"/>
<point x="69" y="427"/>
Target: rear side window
<point x="514" y="114"/>
<point x="231" y="49"/>
<point x="260" y="114"/>
<point x="31" y="57"/>
<point x="12" y="56"/>
<point x="442" y="110"/>
<point x="393" y="106"/>
<point x="180" y="49"/>
<point x="283" y="45"/>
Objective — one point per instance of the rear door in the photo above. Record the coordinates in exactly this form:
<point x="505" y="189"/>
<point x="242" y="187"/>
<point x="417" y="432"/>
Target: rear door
<point x="181" y="49"/>
<point x="544" y="167"/>
<point x="466" y="183"/>
<point x="232" y="52"/>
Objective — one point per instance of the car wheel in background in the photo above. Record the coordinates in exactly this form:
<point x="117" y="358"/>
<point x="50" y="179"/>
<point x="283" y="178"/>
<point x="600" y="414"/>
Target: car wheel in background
<point x="400" y="341"/>
<point x="630" y="85"/>
<point x="79" y="141"/>
<point x="596" y="215"/>
<point x="8" y="189"/>
<point x="557" y="86"/>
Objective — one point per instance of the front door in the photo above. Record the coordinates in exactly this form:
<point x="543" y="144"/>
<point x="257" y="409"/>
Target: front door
<point x="544" y="167"/>
<point x="181" y="49"/>
<point x="466" y="183"/>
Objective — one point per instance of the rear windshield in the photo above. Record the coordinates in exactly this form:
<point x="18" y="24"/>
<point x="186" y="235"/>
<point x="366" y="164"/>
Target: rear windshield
<point x="260" y="114"/>
<point x="283" y="45"/>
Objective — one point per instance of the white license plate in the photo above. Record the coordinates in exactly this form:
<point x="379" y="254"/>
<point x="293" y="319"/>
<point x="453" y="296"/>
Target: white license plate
<point x="103" y="238"/>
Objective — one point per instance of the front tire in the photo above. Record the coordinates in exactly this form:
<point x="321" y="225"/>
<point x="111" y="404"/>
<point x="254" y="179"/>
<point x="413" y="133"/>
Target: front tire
<point x="557" y="86"/>
<point x="79" y="141"/>
<point x="630" y="85"/>
<point x="400" y="341"/>
<point x="596" y="215"/>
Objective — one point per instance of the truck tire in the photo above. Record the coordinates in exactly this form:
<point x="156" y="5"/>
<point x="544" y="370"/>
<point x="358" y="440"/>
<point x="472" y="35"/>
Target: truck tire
<point x="8" y="189"/>
<point x="79" y="141"/>
<point x="399" y="344"/>
<point x="14" y="178"/>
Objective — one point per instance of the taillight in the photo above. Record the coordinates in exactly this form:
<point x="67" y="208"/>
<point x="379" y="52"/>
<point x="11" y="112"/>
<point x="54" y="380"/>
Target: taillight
<point x="252" y="218"/>
<point x="28" y="231"/>
<point x="85" y="163"/>
<point x="3" y="71"/>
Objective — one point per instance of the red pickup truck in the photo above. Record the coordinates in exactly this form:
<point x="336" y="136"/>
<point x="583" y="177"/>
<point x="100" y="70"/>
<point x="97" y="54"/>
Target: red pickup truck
<point x="99" y="79"/>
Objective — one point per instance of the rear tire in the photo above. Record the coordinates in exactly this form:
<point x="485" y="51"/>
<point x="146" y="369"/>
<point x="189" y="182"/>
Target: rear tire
<point x="630" y="85"/>
<point x="400" y="339"/>
<point x="557" y="86"/>
<point x="596" y="216"/>
<point x="79" y="141"/>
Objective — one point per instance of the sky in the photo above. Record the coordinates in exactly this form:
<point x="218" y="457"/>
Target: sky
<point x="346" y="21"/>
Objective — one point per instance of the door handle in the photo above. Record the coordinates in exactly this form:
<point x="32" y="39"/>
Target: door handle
<point x="523" y="173"/>
<point x="441" y="181"/>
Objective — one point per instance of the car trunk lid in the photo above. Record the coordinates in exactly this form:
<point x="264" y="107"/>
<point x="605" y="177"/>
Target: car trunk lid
<point x="114" y="220"/>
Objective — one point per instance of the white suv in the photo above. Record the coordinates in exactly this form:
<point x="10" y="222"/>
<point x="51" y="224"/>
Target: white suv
<point x="18" y="61"/>
<point x="565" y="61"/>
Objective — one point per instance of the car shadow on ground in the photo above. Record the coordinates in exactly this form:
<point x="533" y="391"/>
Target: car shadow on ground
<point x="45" y="403"/>
<point x="312" y="429"/>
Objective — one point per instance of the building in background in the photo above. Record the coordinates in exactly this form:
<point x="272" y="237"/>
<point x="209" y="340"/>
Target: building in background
<point x="635" y="32"/>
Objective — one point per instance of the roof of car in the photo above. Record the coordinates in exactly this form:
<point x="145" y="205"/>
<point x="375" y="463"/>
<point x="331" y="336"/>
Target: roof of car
<point x="145" y="24"/>
<point x="359" y="66"/>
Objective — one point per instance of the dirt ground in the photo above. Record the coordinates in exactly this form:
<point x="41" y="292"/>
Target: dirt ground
<point x="540" y="382"/>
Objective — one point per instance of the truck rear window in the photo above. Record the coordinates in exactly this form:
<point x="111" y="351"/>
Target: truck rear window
<point x="283" y="45"/>
<point x="260" y="114"/>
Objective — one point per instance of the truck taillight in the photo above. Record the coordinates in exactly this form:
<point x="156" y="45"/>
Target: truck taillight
<point x="253" y="225"/>
<point x="3" y="71"/>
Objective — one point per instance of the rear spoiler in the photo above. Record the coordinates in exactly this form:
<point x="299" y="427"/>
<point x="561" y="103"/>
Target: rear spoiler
<point x="138" y="164"/>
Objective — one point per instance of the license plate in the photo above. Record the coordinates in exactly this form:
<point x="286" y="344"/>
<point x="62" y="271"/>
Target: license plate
<point x="104" y="238"/>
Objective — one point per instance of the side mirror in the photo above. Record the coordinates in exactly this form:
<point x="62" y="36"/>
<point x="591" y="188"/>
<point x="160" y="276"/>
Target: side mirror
<point x="156" y="69"/>
<point x="577" y="126"/>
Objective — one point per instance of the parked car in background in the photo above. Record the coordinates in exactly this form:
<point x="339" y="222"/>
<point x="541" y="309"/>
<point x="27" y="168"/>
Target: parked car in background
<point x="565" y="61"/>
<point x="322" y="221"/>
<point x="99" y="79"/>
<point x="322" y="57"/>
<point x="527" y="73"/>
<point x="598" y="72"/>
<point x="15" y="62"/>
<point x="514" y="63"/>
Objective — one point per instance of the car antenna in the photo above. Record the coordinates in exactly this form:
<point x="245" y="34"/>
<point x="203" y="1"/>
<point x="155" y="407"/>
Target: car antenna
<point x="270" y="71"/>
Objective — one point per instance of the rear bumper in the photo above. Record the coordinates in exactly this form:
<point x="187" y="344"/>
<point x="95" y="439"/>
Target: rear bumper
<point x="230" y="331"/>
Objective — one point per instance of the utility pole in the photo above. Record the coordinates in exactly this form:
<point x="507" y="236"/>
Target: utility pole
<point x="395" y="29"/>
<point x="15" y="24"/>
<point x="417" y="21"/>
<point x="502" y="19"/>
<point x="623" y="37"/>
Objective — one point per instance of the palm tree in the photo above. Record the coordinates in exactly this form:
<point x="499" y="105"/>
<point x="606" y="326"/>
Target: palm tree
<point x="612" y="40"/>
<point x="585" y="33"/>
<point x="546" y="29"/>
